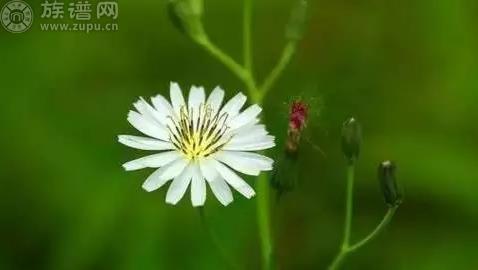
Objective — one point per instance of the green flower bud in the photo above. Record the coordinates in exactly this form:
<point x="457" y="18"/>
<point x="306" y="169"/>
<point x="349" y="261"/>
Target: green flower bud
<point x="298" y="16"/>
<point x="388" y="184"/>
<point x="174" y="18"/>
<point x="186" y="15"/>
<point x="351" y="139"/>
<point x="286" y="173"/>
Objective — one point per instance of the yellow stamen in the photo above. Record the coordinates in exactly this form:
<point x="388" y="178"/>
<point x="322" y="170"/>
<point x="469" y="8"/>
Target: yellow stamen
<point x="198" y="136"/>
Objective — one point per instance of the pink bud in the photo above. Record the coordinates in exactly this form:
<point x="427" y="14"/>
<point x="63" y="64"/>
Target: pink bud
<point x="298" y="115"/>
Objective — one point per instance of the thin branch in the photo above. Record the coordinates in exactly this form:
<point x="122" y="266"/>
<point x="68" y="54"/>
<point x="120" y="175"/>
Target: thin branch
<point x="247" y="37"/>
<point x="287" y="53"/>
<point x="386" y="219"/>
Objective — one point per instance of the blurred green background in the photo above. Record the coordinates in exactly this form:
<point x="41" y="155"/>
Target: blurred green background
<point x="406" y="69"/>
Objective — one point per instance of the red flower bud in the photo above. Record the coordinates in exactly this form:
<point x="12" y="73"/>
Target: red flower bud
<point x="298" y="115"/>
<point x="299" y="112"/>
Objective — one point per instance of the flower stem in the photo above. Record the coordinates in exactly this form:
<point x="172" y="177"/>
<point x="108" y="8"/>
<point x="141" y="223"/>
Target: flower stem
<point x="348" y="218"/>
<point x="380" y="227"/>
<point x="349" y="205"/>
<point x="263" y="220"/>
<point x="287" y="53"/>
<point x="243" y="74"/>
<point x="257" y="94"/>
<point x="346" y="247"/>
<point x="215" y="241"/>
<point x="247" y="37"/>
<point x="262" y="183"/>
<point x="224" y="58"/>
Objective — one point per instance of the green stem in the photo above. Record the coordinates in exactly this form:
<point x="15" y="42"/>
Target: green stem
<point x="348" y="218"/>
<point x="380" y="227"/>
<point x="287" y="53"/>
<point x="215" y="241"/>
<point x="263" y="219"/>
<point x="349" y="205"/>
<point x="257" y="94"/>
<point x="346" y="247"/>
<point x="247" y="37"/>
<point x="243" y="74"/>
<point x="338" y="260"/>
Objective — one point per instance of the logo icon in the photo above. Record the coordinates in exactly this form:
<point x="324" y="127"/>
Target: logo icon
<point x="16" y="16"/>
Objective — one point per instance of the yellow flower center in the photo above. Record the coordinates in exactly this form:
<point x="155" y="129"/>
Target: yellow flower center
<point x="198" y="136"/>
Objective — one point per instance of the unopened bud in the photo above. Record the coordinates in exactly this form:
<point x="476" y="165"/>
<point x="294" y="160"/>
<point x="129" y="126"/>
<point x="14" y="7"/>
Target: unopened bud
<point x="298" y="16"/>
<point x="298" y="116"/>
<point x="286" y="173"/>
<point x="174" y="17"/>
<point x="185" y="15"/>
<point x="388" y="183"/>
<point x="351" y="139"/>
<point x="286" y="170"/>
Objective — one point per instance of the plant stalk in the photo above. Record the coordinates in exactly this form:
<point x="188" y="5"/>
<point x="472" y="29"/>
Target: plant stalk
<point x="216" y="241"/>
<point x="347" y="248"/>
<point x="256" y="93"/>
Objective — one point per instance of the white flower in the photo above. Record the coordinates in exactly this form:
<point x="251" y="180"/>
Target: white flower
<point x="198" y="142"/>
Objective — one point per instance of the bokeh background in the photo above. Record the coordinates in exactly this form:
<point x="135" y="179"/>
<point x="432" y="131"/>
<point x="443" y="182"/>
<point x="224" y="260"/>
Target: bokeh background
<point x="406" y="69"/>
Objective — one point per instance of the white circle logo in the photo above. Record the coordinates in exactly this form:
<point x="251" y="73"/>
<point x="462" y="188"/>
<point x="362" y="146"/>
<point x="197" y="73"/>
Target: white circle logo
<point x="16" y="16"/>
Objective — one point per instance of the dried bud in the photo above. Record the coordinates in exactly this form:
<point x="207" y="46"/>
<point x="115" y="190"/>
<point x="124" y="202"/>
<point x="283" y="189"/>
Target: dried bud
<point x="388" y="183"/>
<point x="298" y="115"/>
<point x="295" y="27"/>
<point x="351" y="139"/>
<point x="185" y="15"/>
<point x="286" y="170"/>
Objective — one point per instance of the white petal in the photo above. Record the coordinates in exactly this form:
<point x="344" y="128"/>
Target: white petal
<point x="246" y="129"/>
<point x="248" y="135"/>
<point x="251" y="133"/>
<point x="175" y="168"/>
<point x="218" y="186"/>
<point x="164" y="174"/>
<point x="179" y="186"/>
<point x="221" y="190"/>
<point x="198" y="188"/>
<point x="154" y="181"/>
<point x="234" y="180"/>
<point x="177" y="98"/>
<point x="196" y="97"/>
<point x="245" y="117"/>
<point x="148" y="112"/>
<point x="263" y="143"/>
<point x="160" y="103"/>
<point x="244" y="162"/>
<point x="208" y="170"/>
<point x="152" y="161"/>
<point x="233" y="106"/>
<point x="144" y="143"/>
<point x="243" y="166"/>
<point x="148" y="127"/>
<point x="153" y="115"/>
<point x="249" y="125"/>
<point x="215" y="99"/>
<point x="163" y="107"/>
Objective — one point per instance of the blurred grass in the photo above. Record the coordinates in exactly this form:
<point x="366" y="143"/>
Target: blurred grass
<point x="406" y="69"/>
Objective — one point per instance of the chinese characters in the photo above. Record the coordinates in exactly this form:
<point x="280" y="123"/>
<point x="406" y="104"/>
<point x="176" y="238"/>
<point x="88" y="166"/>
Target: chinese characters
<point x="79" y="10"/>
